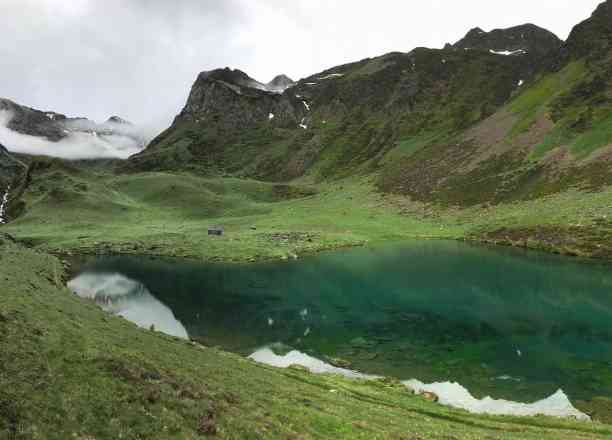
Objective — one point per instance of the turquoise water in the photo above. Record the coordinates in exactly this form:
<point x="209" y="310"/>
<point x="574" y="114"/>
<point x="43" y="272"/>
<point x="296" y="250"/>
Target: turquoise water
<point x="508" y="323"/>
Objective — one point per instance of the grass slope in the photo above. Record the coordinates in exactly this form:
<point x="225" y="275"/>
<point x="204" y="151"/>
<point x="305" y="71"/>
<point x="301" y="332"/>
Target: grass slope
<point x="68" y="370"/>
<point x="168" y="214"/>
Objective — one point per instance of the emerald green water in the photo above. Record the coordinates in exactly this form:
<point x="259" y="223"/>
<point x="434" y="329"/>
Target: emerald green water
<point x="512" y="324"/>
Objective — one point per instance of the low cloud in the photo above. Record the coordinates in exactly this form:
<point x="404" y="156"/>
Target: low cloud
<point x="84" y="140"/>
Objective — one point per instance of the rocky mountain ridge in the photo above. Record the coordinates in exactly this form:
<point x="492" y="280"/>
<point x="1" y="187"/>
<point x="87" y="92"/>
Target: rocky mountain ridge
<point x="516" y="107"/>
<point x="411" y="91"/>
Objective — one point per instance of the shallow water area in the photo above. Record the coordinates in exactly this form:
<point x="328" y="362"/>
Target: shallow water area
<point x="505" y="323"/>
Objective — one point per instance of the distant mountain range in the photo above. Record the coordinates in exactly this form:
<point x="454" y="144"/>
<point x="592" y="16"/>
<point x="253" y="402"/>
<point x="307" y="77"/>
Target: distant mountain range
<point x="46" y="132"/>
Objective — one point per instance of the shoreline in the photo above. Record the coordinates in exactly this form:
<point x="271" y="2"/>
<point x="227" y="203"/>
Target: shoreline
<point x="528" y="245"/>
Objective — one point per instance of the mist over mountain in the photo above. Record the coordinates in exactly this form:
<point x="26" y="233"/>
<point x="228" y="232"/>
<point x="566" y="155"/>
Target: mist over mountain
<point x="35" y="132"/>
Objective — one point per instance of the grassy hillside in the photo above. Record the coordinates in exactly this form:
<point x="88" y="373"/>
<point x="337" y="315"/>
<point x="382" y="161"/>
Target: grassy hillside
<point x="69" y="209"/>
<point x="68" y="370"/>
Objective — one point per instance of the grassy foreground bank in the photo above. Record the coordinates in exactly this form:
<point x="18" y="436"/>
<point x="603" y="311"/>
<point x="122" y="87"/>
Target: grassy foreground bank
<point x="68" y="370"/>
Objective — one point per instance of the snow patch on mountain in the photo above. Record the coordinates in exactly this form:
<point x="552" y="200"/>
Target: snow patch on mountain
<point x="508" y="52"/>
<point x="331" y="76"/>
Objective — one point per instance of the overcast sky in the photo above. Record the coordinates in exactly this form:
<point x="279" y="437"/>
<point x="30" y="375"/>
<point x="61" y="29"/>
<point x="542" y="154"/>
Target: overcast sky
<point x="138" y="58"/>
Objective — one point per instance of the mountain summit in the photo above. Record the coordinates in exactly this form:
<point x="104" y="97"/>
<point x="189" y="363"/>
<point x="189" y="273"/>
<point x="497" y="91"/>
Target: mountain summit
<point x="280" y="83"/>
<point x="526" y="39"/>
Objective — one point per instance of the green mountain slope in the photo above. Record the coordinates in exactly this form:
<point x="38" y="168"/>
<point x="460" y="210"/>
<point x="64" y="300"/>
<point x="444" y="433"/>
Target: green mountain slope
<point x="512" y="114"/>
<point x="348" y="116"/>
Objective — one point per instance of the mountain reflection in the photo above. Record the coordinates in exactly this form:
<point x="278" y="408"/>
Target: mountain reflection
<point x="123" y="296"/>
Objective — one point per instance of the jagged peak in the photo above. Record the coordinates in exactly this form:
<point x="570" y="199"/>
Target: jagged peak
<point x="236" y="77"/>
<point x="282" y="78"/>
<point x="232" y="76"/>
<point x="475" y="32"/>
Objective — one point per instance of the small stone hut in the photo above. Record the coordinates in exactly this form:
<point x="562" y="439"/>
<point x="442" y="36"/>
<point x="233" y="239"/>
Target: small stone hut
<point x="215" y="230"/>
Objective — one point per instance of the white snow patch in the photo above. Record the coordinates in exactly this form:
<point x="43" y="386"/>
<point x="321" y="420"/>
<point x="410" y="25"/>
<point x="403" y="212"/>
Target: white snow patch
<point x="3" y="204"/>
<point x="311" y="84"/>
<point x="455" y="395"/>
<point x="271" y="116"/>
<point x="305" y="127"/>
<point x="521" y="82"/>
<point x="508" y="52"/>
<point x="507" y="377"/>
<point x="306" y="105"/>
<point x="332" y="75"/>
<point x="50" y="116"/>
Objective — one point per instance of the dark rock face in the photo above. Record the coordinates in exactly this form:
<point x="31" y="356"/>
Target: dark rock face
<point x="13" y="178"/>
<point x="528" y="40"/>
<point x="33" y="122"/>
<point x="10" y="168"/>
<point x="117" y="120"/>
<point x="233" y="100"/>
<point x="592" y="37"/>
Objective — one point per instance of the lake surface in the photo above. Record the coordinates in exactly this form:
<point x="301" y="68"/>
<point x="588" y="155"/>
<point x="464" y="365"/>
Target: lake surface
<point x="502" y="322"/>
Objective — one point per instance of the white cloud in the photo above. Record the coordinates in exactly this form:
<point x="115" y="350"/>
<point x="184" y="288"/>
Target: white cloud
<point x="77" y="145"/>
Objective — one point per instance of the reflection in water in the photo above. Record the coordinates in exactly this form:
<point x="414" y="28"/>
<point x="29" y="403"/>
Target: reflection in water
<point x="128" y="298"/>
<point x="267" y="356"/>
<point x="453" y="394"/>
<point x="449" y="393"/>
<point x="502" y="322"/>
